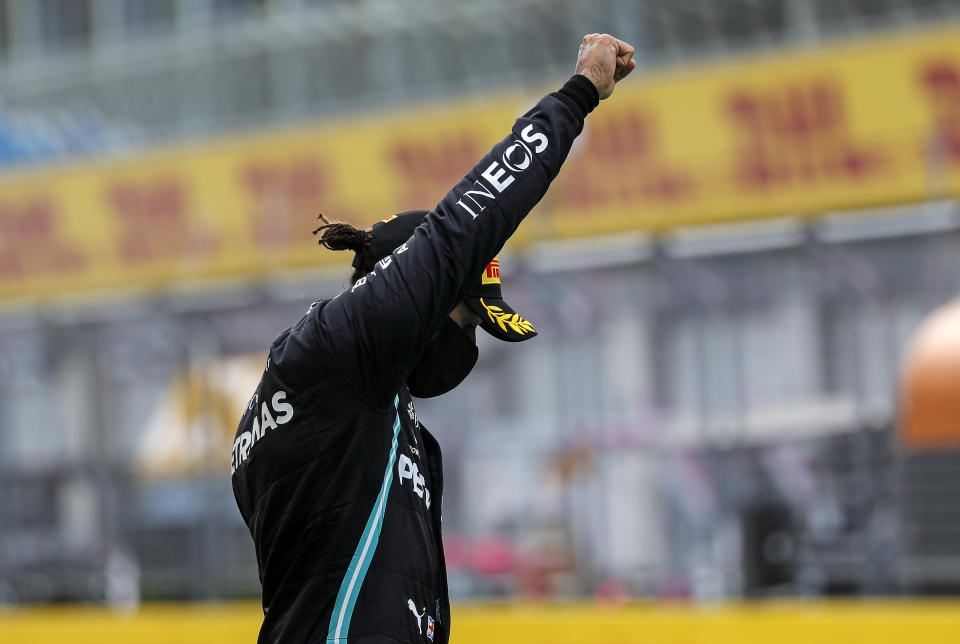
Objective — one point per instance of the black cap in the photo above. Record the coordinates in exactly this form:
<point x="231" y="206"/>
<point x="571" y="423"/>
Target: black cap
<point x="484" y="297"/>
<point x="498" y="318"/>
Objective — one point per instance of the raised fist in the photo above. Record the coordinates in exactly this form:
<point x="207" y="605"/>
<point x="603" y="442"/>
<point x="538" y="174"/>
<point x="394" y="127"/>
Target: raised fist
<point x="604" y="60"/>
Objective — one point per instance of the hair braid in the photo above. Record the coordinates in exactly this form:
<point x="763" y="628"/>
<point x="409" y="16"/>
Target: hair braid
<point x="343" y="236"/>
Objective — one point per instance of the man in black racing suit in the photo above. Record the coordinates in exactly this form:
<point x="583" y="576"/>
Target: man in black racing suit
<point x="338" y="482"/>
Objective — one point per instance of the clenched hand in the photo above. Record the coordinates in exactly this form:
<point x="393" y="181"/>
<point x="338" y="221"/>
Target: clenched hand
<point x="604" y="60"/>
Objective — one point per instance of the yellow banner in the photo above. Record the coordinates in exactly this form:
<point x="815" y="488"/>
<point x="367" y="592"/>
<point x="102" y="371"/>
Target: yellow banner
<point x="861" y="124"/>
<point x="866" y="622"/>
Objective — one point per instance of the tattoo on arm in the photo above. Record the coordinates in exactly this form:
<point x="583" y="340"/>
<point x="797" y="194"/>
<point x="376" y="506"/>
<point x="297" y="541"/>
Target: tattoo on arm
<point x="599" y="66"/>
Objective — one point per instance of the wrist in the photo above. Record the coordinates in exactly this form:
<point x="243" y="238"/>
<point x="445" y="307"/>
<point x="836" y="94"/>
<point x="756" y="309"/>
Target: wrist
<point x="580" y="94"/>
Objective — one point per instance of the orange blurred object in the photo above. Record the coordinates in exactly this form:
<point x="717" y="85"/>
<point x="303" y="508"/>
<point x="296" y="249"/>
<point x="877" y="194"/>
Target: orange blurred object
<point x="930" y="383"/>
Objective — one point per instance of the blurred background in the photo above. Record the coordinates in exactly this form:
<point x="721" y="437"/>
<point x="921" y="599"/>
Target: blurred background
<point x="747" y="378"/>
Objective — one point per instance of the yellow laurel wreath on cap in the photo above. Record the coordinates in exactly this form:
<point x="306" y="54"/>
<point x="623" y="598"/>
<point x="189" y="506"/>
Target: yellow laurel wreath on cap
<point x="504" y="319"/>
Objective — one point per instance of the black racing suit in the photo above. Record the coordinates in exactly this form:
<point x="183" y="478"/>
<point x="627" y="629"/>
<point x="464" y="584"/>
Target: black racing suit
<point x="338" y="483"/>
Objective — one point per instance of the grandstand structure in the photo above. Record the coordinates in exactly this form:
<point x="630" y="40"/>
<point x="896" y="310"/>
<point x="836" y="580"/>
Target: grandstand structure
<point x="164" y="69"/>
<point x="709" y="411"/>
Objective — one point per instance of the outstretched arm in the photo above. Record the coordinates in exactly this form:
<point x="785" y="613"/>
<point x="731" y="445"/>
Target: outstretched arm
<point x="374" y="331"/>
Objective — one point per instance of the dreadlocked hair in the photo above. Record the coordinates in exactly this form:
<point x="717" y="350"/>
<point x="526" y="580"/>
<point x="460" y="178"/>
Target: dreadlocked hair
<point x="342" y="236"/>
